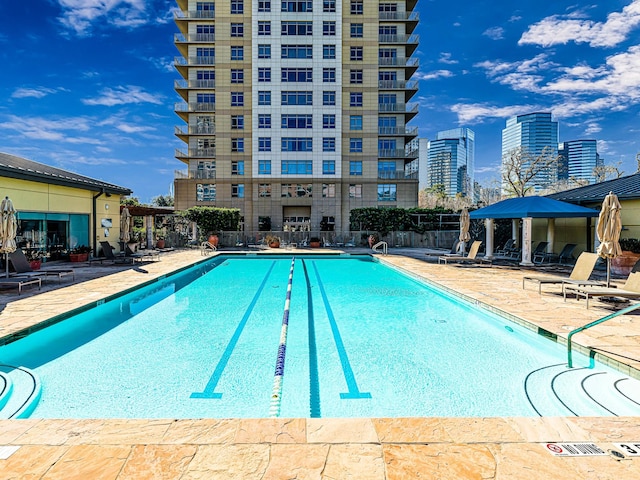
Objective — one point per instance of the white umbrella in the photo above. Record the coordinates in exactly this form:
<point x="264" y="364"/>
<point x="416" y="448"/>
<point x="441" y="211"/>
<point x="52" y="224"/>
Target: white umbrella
<point x="609" y="228"/>
<point x="125" y="225"/>
<point x="465" y="223"/>
<point x="8" y="230"/>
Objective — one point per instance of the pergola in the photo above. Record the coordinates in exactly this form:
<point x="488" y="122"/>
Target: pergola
<point x="528" y="208"/>
<point x="149" y="213"/>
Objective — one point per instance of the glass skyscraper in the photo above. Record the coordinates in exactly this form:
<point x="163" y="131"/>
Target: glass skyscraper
<point x="578" y="160"/>
<point x="450" y="161"/>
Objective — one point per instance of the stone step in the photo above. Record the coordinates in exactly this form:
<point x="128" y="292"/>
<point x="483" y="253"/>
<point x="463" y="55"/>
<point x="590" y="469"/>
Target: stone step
<point x="25" y="390"/>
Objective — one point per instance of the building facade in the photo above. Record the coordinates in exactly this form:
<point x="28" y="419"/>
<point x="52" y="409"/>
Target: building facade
<point x="534" y="134"/>
<point x="296" y="112"/>
<point x="578" y="160"/>
<point x="450" y="162"/>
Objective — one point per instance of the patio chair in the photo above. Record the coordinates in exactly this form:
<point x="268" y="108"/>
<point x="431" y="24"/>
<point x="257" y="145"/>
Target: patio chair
<point x="508" y="248"/>
<point x="19" y="282"/>
<point x="565" y="254"/>
<point x="540" y="249"/>
<point x="580" y="274"/>
<point x="22" y="268"/>
<point x="470" y="257"/>
<point x="142" y="255"/>
<point x="110" y="256"/>
<point x="351" y="242"/>
<point x="630" y="290"/>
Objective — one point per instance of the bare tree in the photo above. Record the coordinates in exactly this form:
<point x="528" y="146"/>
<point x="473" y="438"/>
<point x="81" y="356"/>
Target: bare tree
<point x="523" y="172"/>
<point x="608" y="172"/>
<point x="565" y="184"/>
<point x="436" y="196"/>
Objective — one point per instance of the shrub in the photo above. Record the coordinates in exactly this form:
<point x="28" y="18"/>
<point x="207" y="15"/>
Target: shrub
<point x="630" y="245"/>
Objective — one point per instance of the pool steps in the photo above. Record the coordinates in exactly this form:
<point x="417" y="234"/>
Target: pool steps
<point x="582" y="392"/>
<point x="21" y="394"/>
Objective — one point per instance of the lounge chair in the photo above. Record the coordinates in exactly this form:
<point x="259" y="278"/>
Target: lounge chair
<point x="580" y="273"/>
<point x="19" y="282"/>
<point x="141" y="255"/>
<point x="471" y="257"/>
<point x="539" y="250"/>
<point x="22" y="268"/>
<point x="508" y="248"/>
<point x="565" y="254"/>
<point x="110" y="256"/>
<point x="630" y="289"/>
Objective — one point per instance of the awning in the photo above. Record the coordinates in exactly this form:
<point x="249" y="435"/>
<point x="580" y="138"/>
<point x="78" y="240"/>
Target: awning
<point x="533" y="207"/>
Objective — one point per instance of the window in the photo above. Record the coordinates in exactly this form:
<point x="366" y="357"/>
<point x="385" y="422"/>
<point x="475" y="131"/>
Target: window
<point x="237" y="53"/>
<point x="264" y="28"/>
<point x="237" y="190"/>
<point x="297" y="51"/>
<point x="264" y="190"/>
<point x="387" y="192"/>
<point x="264" y="167"/>
<point x="329" y="5"/>
<point x="237" y="7"/>
<point x="328" y="190"/>
<point x="297" y="74"/>
<point x="357" y="7"/>
<point x="355" y="99"/>
<point x="388" y="7"/>
<point x="386" y="169"/>
<point x="355" y="76"/>
<point x="387" y="30"/>
<point x="297" y="167"/>
<point x="206" y="56"/>
<point x="355" y="145"/>
<point x="237" y="99"/>
<point x="328" y="52"/>
<point x="329" y="75"/>
<point x="205" y="192"/>
<point x="205" y="33"/>
<point x="264" y="74"/>
<point x="237" y="122"/>
<point x="297" y="6"/>
<point x="355" y="190"/>
<point x="356" y="54"/>
<point x="387" y="99"/>
<point x="297" y="98"/>
<point x="202" y="7"/>
<point x="355" y="167"/>
<point x="237" y="75"/>
<point x="329" y="144"/>
<point x="357" y="30"/>
<point x="355" y="122"/>
<point x="328" y="121"/>
<point x="296" y="190"/>
<point x="264" y="6"/>
<point x="297" y="144"/>
<point x="264" y="98"/>
<point x="391" y="53"/>
<point x="264" y="51"/>
<point x="264" y="144"/>
<point x="296" y="28"/>
<point x="237" y="29"/>
<point x="328" y="167"/>
<point x="297" y="121"/>
<point x="237" y="167"/>
<point x="209" y="98"/>
<point x="237" y="144"/>
<point x="264" y="120"/>
<point x="329" y="28"/>
<point x="328" y="97"/>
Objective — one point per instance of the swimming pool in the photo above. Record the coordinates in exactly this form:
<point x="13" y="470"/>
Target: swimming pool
<point x="363" y="340"/>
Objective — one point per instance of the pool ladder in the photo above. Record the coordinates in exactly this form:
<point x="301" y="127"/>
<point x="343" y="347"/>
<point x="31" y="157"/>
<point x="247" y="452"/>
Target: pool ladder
<point x="385" y="248"/>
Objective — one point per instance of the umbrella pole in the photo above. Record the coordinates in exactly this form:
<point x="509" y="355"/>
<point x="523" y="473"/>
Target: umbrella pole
<point x="608" y="272"/>
<point x="6" y="264"/>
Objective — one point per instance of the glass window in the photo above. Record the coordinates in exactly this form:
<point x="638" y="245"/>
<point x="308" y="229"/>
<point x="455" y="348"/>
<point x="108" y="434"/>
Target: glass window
<point x="297" y="98"/>
<point x="355" y="76"/>
<point x="264" y="74"/>
<point x="357" y="7"/>
<point x="355" y="145"/>
<point x="328" y="121"/>
<point x="237" y="167"/>
<point x="237" y="75"/>
<point x="237" y="99"/>
<point x="209" y="98"/>
<point x="237" y="190"/>
<point x="264" y="120"/>
<point x="355" y="190"/>
<point x="297" y="167"/>
<point x="356" y="54"/>
<point x="328" y="97"/>
<point x="297" y="121"/>
<point x="328" y="190"/>
<point x="297" y="6"/>
<point x="388" y="7"/>
<point x="296" y="28"/>
<point x="328" y="28"/>
<point x="357" y="30"/>
<point x="328" y="167"/>
<point x="329" y="144"/>
<point x="328" y="5"/>
<point x="206" y="56"/>
<point x="264" y="144"/>
<point x="297" y="51"/>
<point x="328" y="52"/>
<point x="205" y="192"/>
<point x="387" y="192"/>
<point x="264" y="28"/>
<point x="355" y="167"/>
<point x="264" y="6"/>
<point x="297" y="74"/>
<point x="264" y="51"/>
<point x="237" y="122"/>
<point x="355" y="122"/>
<point x="237" y="53"/>
<point x="264" y="190"/>
<point x="355" y="99"/>
<point x="237" y="29"/>
<point x="264" y="167"/>
<point x="237" y="7"/>
<point x="297" y="144"/>
<point x="264" y="98"/>
<point x="237" y="144"/>
<point x="329" y="75"/>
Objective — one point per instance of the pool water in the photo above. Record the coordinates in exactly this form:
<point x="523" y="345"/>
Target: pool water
<point x="363" y="340"/>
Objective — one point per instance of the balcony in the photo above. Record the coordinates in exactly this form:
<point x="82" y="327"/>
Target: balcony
<point x="397" y="62"/>
<point x="194" y="174"/>
<point x="184" y="84"/>
<point x="393" y="175"/>
<point x="195" y="130"/>
<point x="398" y="107"/>
<point x="397" y="153"/>
<point x="190" y="61"/>
<point x="399" y="16"/>
<point x="398" y="131"/>
<point x="194" y="107"/>
<point x="194" y="38"/>
<point x="194" y="14"/>
<point x="399" y="39"/>
<point x="196" y="153"/>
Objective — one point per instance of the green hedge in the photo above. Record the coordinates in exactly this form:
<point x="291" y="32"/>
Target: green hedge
<point x="214" y="220"/>
<point x="385" y="220"/>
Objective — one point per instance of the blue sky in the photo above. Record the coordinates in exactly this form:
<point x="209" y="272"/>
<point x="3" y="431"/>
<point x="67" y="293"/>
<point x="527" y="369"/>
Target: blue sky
<point x="87" y="85"/>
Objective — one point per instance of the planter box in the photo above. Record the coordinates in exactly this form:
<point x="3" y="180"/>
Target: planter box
<point x="624" y="263"/>
<point x="78" y="257"/>
<point x="35" y="264"/>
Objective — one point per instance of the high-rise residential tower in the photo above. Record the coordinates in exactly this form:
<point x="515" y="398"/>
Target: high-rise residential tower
<point x="296" y="112"/>
<point x="451" y="161"/>
<point x="578" y="160"/>
<point x="535" y="134"/>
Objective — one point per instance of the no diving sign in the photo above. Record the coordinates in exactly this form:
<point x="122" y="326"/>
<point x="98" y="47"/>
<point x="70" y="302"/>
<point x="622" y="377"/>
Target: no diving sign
<point x="574" y="449"/>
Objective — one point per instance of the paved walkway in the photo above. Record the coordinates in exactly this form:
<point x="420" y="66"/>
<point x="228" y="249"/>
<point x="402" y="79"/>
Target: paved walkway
<point x="397" y="448"/>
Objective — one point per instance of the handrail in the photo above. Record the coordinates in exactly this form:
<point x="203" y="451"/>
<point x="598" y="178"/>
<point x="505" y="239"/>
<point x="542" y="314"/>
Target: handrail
<point x="593" y="324"/>
<point x="206" y="248"/>
<point x="383" y="245"/>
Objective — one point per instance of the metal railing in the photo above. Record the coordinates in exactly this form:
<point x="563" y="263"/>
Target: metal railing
<point x="181" y="84"/>
<point x="193" y="14"/>
<point x="385" y="248"/>
<point x="399" y="16"/>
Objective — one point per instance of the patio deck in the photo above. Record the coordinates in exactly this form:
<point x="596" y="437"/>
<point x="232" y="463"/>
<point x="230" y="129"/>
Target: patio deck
<point x="384" y="448"/>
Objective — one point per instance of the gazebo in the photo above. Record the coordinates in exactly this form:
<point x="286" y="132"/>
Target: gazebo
<point x="528" y="208"/>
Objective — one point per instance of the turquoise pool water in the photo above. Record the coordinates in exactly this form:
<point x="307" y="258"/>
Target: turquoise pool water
<point x="363" y="340"/>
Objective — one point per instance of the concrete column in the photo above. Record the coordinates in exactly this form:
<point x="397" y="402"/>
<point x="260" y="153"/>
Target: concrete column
<point x="526" y="241"/>
<point x="489" y="225"/>
<point x="551" y="233"/>
<point x="515" y="230"/>
<point x="149" y="222"/>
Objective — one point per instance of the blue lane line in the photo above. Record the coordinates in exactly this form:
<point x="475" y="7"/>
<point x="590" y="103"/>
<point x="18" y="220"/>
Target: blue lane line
<point x="208" y="391"/>
<point x="349" y="377"/>
<point x="314" y="377"/>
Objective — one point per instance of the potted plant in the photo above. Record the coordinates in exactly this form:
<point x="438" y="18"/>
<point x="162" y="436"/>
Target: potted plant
<point x="160" y="243"/>
<point x="314" y="242"/>
<point x="273" y="241"/>
<point x="624" y="263"/>
<point x="80" y="254"/>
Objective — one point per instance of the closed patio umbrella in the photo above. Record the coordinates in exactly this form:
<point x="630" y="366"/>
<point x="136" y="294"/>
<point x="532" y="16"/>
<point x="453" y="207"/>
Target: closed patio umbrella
<point x="125" y="225"/>
<point x="465" y="223"/>
<point x="609" y="228"/>
<point x="8" y="230"/>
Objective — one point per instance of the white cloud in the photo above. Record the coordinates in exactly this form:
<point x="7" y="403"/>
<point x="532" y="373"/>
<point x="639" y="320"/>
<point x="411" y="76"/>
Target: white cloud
<point x="562" y="29"/>
<point x="81" y="15"/>
<point x="445" y="57"/>
<point x="123" y="95"/>
<point x="494" y="33"/>
<point x="128" y="128"/>
<point x="51" y="129"/>
<point x="433" y="75"/>
<point x="522" y="75"/>
<point x="477" y="112"/>
<point x="37" y="92"/>
<point x="515" y="18"/>
<point x="592" y="127"/>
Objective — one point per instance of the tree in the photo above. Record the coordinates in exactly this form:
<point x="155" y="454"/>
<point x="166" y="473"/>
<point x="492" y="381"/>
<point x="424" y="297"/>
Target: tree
<point x="129" y="201"/>
<point x="523" y="172"/>
<point x="608" y="172"/>
<point x="565" y="184"/>
<point x="162" y="201"/>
